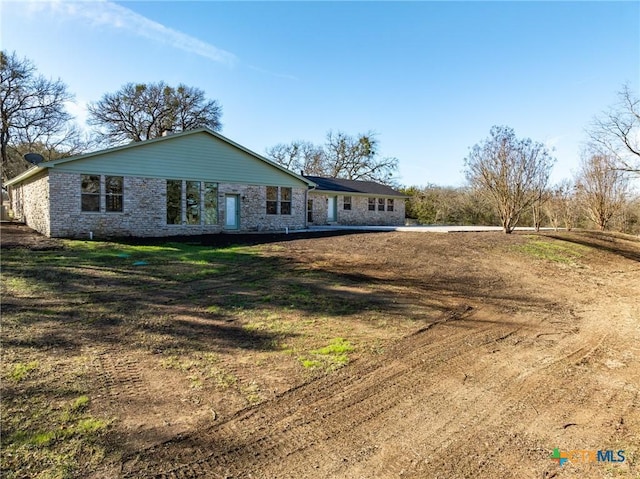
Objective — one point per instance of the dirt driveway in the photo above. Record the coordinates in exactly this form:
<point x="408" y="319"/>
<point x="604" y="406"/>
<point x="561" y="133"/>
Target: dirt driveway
<point x="480" y="354"/>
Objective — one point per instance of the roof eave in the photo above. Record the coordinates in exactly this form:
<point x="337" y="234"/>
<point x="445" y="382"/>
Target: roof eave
<point x="26" y="175"/>
<point x="359" y="193"/>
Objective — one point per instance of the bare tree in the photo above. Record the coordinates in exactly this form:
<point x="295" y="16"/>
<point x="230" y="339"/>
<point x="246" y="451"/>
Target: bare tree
<point x="512" y="172"/>
<point x="139" y="112"/>
<point x="537" y="208"/>
<point x="616" y="132"/>
<point x="602" y="188"/>
<point x="356" y="158"/>
<point x="33" y="115"/>
<point x="342" y="156"/>
<point x="561" y="205"/>
<point x="298" y="156"/>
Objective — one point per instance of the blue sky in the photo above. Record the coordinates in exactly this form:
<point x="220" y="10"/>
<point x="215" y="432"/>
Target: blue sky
<point x="430" y="78"/>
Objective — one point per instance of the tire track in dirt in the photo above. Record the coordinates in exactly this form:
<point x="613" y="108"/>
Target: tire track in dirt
<point x="304" y="421"/>
<point x="119" y="376"/>
<point x="323" y="429"/>
<point x="131" y="393"/>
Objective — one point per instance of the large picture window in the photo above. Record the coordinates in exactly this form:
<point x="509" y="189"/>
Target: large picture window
<point x="113" y="187"/>
<point x="90" y="193"/>
<point x="197" y="200"/>
<point x="193" y="202"/>
<point x="174" y="202"/>
<point x="210" y="203"/>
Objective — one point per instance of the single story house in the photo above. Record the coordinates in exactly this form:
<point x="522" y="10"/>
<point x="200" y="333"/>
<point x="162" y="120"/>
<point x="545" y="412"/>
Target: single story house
<point x="353" y="202"/>
<point x="188" y="183"/>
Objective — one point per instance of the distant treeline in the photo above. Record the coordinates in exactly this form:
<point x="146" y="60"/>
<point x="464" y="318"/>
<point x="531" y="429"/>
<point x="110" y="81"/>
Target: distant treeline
<point x="444" y="205"/>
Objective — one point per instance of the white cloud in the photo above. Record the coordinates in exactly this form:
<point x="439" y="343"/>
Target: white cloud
<point x="79" y="111"/>
<point x="109" y="14"/>
<point x="552" y="142"/>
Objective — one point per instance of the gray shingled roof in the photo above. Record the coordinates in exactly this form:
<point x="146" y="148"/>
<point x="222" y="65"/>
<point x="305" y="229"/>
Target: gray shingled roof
<point x="353" y="186"/>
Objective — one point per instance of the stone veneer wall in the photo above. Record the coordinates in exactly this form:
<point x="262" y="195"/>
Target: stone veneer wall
<point x="359" y="214"/>
<point x="30" y="203"/>
<point x="144" y="210"/>
<point x="319" y="210"/>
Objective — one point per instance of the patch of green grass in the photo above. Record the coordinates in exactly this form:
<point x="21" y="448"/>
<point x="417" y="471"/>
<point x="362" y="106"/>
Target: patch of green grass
<point x="222" y="378"/>
<point x="22" y="370"/>
<point x="336" y="347"/>
<point x="53" y="441"/>
<point x="270" y="322"/>
<point x="311" y="363"/>
<point x="202" y="367"/>
<point x="330" y="357"/>
<point x="80" y="404"/>
<point x="555" y="251"/>
<point x="174" y="362"/>
<point x="252" y="393"/>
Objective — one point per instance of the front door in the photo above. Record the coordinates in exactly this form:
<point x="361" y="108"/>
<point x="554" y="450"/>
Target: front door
<point x="232" y="212"/>
<point x="331" y="208"/>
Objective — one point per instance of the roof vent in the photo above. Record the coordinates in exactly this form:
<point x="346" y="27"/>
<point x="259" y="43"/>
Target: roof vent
<point x="34" y="158"/>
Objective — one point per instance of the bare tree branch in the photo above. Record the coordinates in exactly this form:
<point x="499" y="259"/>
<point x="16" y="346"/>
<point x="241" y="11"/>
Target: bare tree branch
<point x="33" y="116"/>
<point x="616" y="132"/>
<point x="139" y="112"/>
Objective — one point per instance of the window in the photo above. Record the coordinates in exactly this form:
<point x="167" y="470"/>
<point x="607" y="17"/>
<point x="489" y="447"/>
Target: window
<point x="272" y="200"/>
<point x="284" y="198"/>
<point x="174" y="202"/>
<point x="90" y="193"/>
<point x="193" y="203"/>
<point x="113" y="186"/>
<point x="210" y="203"/>
<point x="346" y="204"/>
<point x="197" y="199"/>
<point x="372" y="204"/>
<point x="389" y="204"/>
<point x="310" y="211"/>
<point x="285" y="201"/>
<point x="380" y="204"/>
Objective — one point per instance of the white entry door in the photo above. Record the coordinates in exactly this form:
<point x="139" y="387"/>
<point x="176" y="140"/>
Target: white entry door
<point x="232" y="212"/>
<point x="331" y="208"/>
